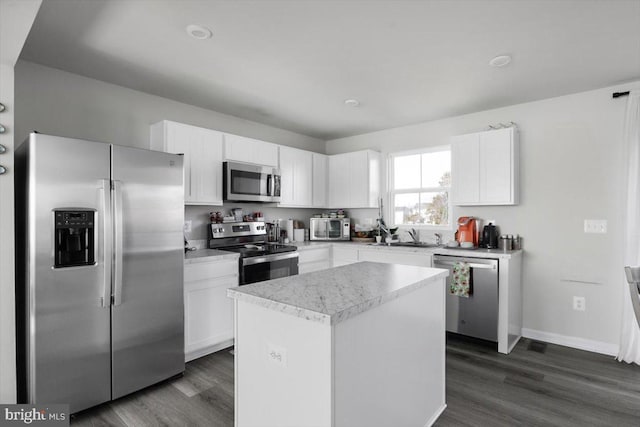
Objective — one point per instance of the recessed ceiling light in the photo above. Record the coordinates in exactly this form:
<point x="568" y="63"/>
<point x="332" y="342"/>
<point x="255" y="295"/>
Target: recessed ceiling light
<point x="199" y="32"/>
<point x="352" y="103"/>
<point x="500" y="61"/>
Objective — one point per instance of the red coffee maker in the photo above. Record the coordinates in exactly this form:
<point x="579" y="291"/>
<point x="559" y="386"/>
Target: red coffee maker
<point x="467" y="231"/>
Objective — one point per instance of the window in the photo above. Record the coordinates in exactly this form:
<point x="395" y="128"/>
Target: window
<point x="419" y="187"/>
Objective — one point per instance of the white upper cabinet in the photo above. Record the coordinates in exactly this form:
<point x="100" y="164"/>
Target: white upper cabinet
<point x="296" y="168"/>
<point x="249" y="150"/>
<point x="202" y="149"/>
<point x="320" y="180"/>
<point x="354" y="180"/>
<point x="484" y="168"/>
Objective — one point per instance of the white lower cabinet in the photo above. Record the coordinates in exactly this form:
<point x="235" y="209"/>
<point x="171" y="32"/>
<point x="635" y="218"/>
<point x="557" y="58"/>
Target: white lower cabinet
<point x="343" y="255"/>
<point x="208" y="312"/>
<point x="314" y="259"/>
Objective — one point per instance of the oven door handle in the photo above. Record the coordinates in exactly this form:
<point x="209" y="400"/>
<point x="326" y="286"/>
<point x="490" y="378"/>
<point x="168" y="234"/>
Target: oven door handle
<point x="269" y="258"/>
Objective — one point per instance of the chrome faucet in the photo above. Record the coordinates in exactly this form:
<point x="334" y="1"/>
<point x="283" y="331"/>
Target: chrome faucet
<point x="438" y="239"/>
<point x="414" y="235"/>
<point x="383" y="227"/>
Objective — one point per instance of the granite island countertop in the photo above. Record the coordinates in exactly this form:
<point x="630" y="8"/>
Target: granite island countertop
<point x="332" y="296"/>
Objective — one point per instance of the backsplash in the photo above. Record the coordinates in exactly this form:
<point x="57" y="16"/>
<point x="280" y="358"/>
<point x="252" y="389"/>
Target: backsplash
<point x="199" y="215"/>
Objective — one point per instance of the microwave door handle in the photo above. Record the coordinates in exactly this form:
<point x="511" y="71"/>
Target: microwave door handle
<point x="269" y="185"/>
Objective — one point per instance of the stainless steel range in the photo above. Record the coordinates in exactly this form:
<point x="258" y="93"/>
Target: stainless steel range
<point x="259" y="259"/>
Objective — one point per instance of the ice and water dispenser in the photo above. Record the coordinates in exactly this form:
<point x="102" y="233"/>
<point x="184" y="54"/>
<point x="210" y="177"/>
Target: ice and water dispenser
<point x="74" y="238"/>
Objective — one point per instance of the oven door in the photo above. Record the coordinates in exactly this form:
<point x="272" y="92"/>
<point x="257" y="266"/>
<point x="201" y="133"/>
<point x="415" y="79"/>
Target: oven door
<point x="258" y="269"/>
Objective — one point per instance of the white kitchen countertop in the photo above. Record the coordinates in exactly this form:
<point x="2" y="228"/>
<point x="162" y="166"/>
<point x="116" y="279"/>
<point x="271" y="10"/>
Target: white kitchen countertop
<point x="204" y="255"/>
<point x="331" y="296"/>
<point x="195" y="256"/>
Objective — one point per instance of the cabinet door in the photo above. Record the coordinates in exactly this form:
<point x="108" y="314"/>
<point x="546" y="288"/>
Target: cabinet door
<point x="179" y="140"/>
<point x="296" y="169"/>
<point x="314" y="259"/>
<point x="287" y="171"/>
<point x="496" y="156"/>
<point x="344" y="255"/>
<point x="249" y="150"/>
<point x="207" y="168"/>
<point x="202" y="150"/>
<point x="339" y="186"/>
<point x="465" y="169"/>
<point x="209" y="315"/>
<point x="354" y="180"/>
<point x="358" y="182"/>
<point x="320" y="181"/>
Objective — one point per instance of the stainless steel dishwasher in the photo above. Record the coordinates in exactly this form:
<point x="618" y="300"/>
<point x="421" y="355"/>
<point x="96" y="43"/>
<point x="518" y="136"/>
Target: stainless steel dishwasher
<point x="477" y="315"/>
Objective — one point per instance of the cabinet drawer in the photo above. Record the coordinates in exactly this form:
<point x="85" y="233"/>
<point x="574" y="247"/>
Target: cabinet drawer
<point x="207" y="270"/>
<point x="314" y="255"/>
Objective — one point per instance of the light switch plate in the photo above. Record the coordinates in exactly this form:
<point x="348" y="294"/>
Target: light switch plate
<point x="598" y="226"/>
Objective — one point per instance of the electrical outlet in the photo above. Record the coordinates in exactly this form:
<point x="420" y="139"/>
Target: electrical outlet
<point x="277" y="355"/>
<point x="187" y="226"/>
<point x="579" y="304"/>
<point x="598" y="226"/>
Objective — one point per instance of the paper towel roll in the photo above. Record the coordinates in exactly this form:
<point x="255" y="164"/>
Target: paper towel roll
<point x="290" y="229"/>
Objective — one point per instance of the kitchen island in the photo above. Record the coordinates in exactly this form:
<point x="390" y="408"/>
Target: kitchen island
<point x="358" y="345"/>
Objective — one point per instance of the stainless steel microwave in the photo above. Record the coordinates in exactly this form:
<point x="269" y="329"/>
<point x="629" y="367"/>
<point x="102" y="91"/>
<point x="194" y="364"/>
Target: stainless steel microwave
<point x="330" y="229"/>
<point x="244" y="182"/>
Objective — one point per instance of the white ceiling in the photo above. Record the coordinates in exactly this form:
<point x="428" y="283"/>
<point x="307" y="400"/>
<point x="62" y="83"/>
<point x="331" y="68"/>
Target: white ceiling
<point x="291" y="64"/>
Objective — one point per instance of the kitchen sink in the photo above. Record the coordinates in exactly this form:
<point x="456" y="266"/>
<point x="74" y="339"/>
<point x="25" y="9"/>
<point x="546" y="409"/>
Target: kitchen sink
<point x="408" y="245"/>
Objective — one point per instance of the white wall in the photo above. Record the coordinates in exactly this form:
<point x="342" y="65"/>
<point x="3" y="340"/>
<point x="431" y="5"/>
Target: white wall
<point x="199" y="215"/>
<point x="7" y="247"/>
<point x="571" y="170"/>
<point x="61" y="103"/>
<point x="16" y="19"/>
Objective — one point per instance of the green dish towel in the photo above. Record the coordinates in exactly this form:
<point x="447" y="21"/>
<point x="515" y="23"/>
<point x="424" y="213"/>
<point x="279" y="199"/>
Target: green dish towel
<point x="461" y="280"/>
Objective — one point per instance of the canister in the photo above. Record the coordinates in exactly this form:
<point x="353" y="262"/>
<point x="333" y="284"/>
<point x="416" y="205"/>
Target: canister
<point x="505" y="243"/>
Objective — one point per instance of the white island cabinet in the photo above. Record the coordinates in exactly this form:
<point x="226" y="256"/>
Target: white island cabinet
<point x="358" y="345"/>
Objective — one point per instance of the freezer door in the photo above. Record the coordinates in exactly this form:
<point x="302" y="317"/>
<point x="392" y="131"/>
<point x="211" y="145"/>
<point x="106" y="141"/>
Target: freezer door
<point x="148" y="309"/>
<point x="65" y="314"/>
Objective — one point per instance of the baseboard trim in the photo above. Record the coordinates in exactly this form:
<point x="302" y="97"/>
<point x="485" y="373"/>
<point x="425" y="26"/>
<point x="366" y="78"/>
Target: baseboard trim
<point x="573" y="342"/>
<point x="195" y="354"/>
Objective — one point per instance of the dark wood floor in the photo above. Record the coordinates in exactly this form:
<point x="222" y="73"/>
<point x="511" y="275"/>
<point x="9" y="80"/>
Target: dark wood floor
<point x="536" y="385"/>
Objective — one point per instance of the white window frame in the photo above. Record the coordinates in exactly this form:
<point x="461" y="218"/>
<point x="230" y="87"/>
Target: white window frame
<point x="392" y="192"/>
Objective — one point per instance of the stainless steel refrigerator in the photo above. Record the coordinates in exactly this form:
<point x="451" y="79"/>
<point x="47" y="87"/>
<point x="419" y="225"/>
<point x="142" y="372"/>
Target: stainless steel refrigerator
<point x="99" y="270"/>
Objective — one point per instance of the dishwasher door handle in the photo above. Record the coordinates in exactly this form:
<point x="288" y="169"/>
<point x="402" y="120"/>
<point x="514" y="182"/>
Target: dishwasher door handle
<point x="491" y="266"/>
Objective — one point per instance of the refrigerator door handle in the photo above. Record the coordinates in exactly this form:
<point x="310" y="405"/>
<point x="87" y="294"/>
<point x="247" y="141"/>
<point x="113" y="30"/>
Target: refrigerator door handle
<point x="117" y="242"/>
<point x="105" y="215"/>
